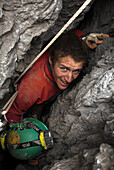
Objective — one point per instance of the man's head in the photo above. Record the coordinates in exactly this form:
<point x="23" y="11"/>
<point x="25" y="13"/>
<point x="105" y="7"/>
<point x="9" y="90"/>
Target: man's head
<point x="67" y="57"/>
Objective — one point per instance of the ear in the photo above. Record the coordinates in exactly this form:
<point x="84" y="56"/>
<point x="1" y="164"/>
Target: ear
<point x="50" y="60"/>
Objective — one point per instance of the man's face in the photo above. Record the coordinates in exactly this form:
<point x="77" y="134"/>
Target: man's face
<point x="65" y="71"/>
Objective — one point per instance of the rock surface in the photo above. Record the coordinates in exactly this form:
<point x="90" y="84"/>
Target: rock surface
<point x="21" y="21"/>
<point x="82" y="118"/>
<point x="25" y="27"/>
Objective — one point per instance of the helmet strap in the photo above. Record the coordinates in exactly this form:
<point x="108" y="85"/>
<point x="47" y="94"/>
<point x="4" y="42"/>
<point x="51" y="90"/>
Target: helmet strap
<point x="24" y="145"/>
<point x="44" y="138"/>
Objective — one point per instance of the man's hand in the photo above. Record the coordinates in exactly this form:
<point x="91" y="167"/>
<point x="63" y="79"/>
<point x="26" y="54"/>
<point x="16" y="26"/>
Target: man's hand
<point x="93" y="39"/>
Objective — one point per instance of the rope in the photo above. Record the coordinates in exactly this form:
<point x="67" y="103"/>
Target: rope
<point x="56" y="36"/>
<point x="7" y="106"/>
<point x="9" y="103"/>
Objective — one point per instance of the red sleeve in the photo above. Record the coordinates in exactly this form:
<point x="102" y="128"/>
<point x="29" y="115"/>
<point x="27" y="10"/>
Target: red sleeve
<point x="79" y="33"/>
<point x="14" y="114"/>
<point x="26" y="96"/>
<point x="25" y="99"/>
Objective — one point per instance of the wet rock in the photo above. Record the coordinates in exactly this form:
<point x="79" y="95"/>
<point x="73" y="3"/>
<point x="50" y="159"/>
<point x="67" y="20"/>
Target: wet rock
<point x="105" y="158"/>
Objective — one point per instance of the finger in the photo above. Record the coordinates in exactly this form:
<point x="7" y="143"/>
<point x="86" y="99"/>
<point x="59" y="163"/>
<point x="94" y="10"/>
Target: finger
<point x="91" y="45"/>
<point x="97" y="41"/>
<point x="102" y="36"/>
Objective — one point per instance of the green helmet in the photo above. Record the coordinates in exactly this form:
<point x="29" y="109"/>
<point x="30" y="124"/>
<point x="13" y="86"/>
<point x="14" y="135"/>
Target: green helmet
<point x="28" y="138"/>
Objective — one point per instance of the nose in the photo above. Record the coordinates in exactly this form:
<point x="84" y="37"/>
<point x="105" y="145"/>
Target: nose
<point x="69" y="77"/>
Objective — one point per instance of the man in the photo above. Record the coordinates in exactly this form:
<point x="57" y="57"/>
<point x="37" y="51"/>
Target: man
<point x="52" y="73"/>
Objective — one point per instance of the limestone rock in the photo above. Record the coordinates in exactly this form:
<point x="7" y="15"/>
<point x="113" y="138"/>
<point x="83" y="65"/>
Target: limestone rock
<point x="25" y="27"/>
<point x="81" y="119"/>
<point x="21" y="21"/>
<point x="105" y="158"/>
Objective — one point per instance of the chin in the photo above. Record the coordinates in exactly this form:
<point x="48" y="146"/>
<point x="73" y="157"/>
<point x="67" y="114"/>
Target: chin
<point x="62" y="87"/>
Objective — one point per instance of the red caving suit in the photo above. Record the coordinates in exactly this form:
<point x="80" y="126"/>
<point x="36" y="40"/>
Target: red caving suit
<point x="36" y="86"/>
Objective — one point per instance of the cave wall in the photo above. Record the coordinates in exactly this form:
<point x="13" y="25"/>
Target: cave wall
<point x="81" y="120"/>
<point x="25" y="27"/>
<point x="20" y="22"/>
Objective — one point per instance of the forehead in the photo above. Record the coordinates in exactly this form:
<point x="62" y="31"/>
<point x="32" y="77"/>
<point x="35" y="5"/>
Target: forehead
<point x="70" y="62"/>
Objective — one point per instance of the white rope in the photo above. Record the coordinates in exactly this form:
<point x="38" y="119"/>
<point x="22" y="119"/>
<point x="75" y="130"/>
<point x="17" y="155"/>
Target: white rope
<point x="7" y="106"/>
<point x="9" y="103"/>
<point x="56" y="36"/>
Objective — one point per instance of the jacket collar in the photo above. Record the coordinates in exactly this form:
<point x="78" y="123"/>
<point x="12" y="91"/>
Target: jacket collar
<point x="49" y="67"/>
<point x="47" y="70"/>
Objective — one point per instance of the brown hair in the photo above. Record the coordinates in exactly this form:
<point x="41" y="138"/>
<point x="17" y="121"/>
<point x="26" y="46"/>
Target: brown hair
<point x="68" y="44"/>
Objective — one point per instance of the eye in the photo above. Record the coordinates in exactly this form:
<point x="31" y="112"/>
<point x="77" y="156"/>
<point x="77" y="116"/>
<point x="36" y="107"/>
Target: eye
<point x="63" y="68"/>
<point x="76" y="71"/>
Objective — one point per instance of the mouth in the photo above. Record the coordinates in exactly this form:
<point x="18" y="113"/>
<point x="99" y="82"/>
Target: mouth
<point x="64" y="83"/>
